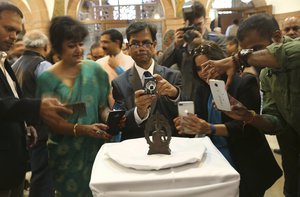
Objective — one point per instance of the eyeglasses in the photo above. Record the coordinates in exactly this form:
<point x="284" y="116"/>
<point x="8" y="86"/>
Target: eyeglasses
<point x="200" y="50"/>
<point x="144" y="43"/>
<point x="294" y="28"/>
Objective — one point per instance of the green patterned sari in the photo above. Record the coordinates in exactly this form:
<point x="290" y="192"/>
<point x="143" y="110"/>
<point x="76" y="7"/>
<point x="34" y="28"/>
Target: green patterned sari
<point x="71" y="158"/>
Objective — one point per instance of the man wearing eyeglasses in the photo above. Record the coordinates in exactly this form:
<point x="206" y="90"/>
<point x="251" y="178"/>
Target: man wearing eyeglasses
<point x="128" y="89"/>
<point x="291" y="27"/>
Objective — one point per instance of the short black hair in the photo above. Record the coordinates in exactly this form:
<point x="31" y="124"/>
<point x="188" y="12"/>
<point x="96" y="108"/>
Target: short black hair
<point x="4" y="6"/>
<point x="65" y="28"/>
<point x="199" y="9"/>
<point x="235" y="21"/>
<point x="136" y="27"/>
<point x="114" y="36"/>
<point x="264" y="24"/>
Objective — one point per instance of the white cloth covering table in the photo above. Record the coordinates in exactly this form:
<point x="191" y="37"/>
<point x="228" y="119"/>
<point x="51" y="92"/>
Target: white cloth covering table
<point x="211" y="177"/>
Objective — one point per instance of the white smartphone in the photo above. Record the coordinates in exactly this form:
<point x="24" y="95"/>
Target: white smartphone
<point x="185" y="107"/>
<point x="219" y="94"/>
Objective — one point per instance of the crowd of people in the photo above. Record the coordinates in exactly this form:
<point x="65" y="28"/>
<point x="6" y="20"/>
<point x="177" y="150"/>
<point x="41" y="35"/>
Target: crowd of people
<point x="41" y="77"/>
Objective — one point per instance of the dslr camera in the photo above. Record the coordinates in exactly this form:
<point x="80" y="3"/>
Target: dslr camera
<point x="149" y="85"/>
<point x="189" y="35"/>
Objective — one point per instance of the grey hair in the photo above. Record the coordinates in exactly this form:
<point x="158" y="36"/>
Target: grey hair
<point x="35" y="39"/>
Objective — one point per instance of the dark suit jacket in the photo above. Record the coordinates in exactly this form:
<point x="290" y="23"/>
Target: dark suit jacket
<point x="249" y="148"/>
<point x="124" y="87"/>
<point x="13" y="113"/>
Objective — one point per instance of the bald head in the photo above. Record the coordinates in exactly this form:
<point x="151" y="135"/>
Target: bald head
<point x="291" y="27"/>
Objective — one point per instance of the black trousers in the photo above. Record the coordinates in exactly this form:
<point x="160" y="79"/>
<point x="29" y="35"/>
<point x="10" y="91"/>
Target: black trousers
<point x="289" y="143"/>
<point x="13" y="192"/>
<point x="41" y="183"/>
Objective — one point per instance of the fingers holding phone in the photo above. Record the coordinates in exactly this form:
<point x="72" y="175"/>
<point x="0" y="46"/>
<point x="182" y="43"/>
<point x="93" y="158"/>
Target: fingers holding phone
<point x="116" y="121"/>
<point x="98" y="130"/>
<point x="185" y="108"/>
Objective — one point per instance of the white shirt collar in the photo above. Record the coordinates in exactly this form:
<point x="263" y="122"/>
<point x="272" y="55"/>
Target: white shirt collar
<point x="141" y="70"/>
<point x="3" y="56"/>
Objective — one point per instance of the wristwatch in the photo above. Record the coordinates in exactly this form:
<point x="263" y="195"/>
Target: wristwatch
<point x="243" y="57"/>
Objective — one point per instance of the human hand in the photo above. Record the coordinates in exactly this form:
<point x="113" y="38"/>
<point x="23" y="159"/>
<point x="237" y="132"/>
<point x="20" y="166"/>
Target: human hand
<point x="220" y="67"/>
<point x="50" y="110"/>
<point x="122" y="122"/>
<point x="97" y="130"/>
<point x="164" y="88"/>
<point x="31" y="136"/>
<point x="178" y="38"/>
<point x="191" y="124"/>
<point x="238" y="110"/>
<point x="143" y="102"/>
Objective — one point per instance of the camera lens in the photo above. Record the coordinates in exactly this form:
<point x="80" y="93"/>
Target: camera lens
<point x="189" y="36"/>
<point x="216" y="84"/>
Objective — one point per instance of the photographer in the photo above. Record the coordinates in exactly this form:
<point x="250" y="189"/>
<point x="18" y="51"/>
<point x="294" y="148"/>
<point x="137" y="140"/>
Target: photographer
<point x="192" y="34"/>
<point x="146" y="86"/>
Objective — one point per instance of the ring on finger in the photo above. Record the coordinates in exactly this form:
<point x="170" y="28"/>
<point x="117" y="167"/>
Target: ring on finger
<point x="99" y="132"/>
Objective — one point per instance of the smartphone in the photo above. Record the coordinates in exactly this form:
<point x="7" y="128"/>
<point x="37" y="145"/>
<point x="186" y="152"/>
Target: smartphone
<point x="219" y="94"/>
<point x="77" y="108"/>
<point x="113" y="121"/>
<point x="185" y="107"/>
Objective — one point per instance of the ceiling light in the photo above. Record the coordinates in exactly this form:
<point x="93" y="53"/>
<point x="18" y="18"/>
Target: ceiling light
<point x="246" y="1"/>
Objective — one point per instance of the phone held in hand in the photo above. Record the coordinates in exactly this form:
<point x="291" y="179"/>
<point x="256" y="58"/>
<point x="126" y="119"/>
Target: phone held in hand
<point x="219" y="94"/>
<point x="78" y="109"/>
<point x="185" y="107"/>
<point x="113" y="121"/>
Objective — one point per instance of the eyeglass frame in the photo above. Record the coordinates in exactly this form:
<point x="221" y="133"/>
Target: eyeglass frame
<point x="145" y="44"/>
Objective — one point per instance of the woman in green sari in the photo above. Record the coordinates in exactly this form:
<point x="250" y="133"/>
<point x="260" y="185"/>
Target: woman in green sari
<point x="73" y="147"/>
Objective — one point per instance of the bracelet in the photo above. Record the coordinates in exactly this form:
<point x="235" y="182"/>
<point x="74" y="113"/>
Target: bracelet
<point x="213" y="130"/>
<point x="253" y="114"/>
<point x="74" y="129"/>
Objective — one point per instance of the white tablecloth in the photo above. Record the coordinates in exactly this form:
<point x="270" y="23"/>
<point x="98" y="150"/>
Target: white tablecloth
<point x="211" y="177"/>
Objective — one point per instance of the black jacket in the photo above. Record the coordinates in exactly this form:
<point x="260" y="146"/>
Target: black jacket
<point x="13" y="113"/>
<point x="124" y="87"/>
<point x="249" y="149"/>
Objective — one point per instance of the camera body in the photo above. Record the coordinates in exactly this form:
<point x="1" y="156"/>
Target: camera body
<point x="149" y="85"/>
<point x="189" y="34"/>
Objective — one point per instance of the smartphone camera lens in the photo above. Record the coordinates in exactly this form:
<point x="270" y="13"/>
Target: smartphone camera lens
<point x="216" y="84"/>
